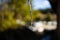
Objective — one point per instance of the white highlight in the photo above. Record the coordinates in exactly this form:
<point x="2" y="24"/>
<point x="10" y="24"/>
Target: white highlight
<point x="41" y="26"/>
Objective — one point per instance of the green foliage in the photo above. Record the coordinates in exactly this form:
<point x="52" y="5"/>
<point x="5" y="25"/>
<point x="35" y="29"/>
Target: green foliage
<point x="17" y="7"/>
<point x="35" y="14"/>
<point x="9" y="12"/>
<point x="48" y="17"/>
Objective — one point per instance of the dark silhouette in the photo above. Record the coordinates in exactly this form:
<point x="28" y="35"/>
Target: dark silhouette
<point x="18" y="34"/>
<point x="23" y="34"/>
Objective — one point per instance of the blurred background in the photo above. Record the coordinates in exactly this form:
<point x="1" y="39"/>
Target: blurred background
<point x="16" y="13"/>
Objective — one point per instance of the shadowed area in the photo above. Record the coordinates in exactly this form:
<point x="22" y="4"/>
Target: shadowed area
<point x="24" y="34"/>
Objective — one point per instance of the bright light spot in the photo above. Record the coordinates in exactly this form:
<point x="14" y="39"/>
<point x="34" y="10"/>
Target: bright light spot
<point x="18" y="21"/>
<point x="41" y="29"/>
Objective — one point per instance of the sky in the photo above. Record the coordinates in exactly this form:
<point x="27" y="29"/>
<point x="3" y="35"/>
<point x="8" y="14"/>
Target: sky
<point x="40" y="4"/>
<point x="37" y="4"/>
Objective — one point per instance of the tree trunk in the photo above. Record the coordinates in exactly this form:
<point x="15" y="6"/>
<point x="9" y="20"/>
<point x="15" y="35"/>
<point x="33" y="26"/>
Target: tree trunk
<point x="58" y="20"/>
<point x="56" y="7"/>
